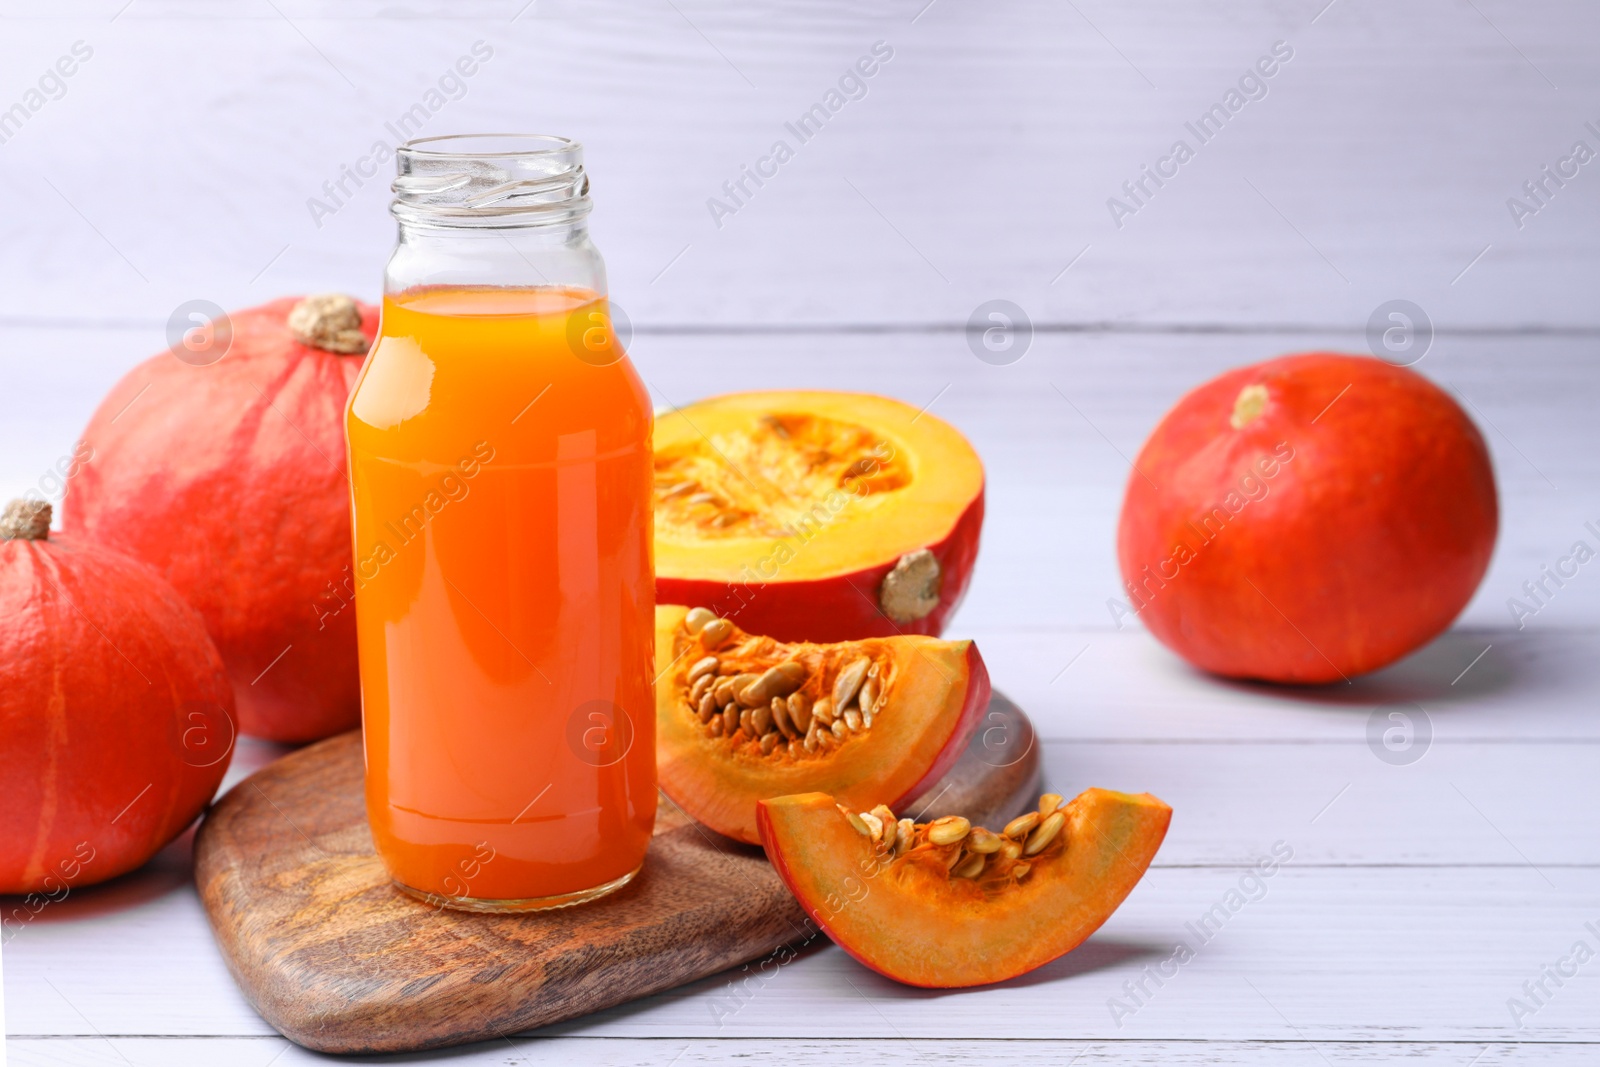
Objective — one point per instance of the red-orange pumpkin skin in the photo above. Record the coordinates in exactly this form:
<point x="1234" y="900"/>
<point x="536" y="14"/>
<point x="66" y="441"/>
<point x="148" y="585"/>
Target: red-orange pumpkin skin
<point x="1368" y="536"/>
<point x="230" y="480"/>
<point x="115" y="716"/>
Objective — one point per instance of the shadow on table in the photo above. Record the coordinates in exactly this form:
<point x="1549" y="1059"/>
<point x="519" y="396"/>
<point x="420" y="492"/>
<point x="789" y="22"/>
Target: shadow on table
<point x="1097" y="954"/>
<point x="1458" y="668"/>
<point x="170" y="870"/>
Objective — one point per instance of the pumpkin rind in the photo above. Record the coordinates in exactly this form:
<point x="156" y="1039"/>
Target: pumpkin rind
<point x="116" y="716"/>
<point x="230" y="480"/>
<point x="1307" y="519"/>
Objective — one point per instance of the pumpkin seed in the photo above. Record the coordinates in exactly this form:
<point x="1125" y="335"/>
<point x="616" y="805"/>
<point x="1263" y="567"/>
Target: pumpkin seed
<point x="781" y="719"/>
<point x="823" y="711"/>
<point x="882" y="811"/>
<point x="722" y="691"/>
<point x="778" y="681"/>
<point x="869" y="696"/>
<point x="800" y="712"/>
<point x="697" y="618"/>
<point x="761" y="719"/>
<point x="708" y="707"/>
<point x="718" y="726"/>
<point x="849" y="680"/>
<point x="796" y="747"/>
<point x="905" y="837"/>
<point x="1045" y="834"/>
<point x="1011" y="850"/>
<point x="856" y="821"/>
<point x="841" y="729"/>
<point x="1048" y="803"/>
<point x="701" y="687"/>
<point x="1020" y="827"/>
<point x="716" y="632"/>
<point x="1020" y="871"/>
<point x="768" y="743"/>
<point x="730" y="718"/>
<point x="970" y="867"/>
<point x="983" y="841"/>
<point x="702" y="668"/>
<point x="852" y="719"/>
<point x="874" y="825"/>
<point x="948" y="830"/>
<point x="740" y="683"/>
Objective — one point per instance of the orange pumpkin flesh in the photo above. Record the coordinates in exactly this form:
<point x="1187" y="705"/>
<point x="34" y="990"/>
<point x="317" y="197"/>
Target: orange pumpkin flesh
<point x="904" y="913"/>
<point x="928" y="699"/>
<point x="815" y="516"/>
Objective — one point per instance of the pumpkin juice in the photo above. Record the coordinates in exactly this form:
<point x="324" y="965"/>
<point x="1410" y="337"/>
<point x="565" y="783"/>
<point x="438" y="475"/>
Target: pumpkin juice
<point x="501" y="478"/>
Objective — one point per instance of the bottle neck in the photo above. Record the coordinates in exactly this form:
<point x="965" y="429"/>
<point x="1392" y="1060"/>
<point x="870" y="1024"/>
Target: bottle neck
<point x="505" y="210"/>
<point x="556" y="255"/>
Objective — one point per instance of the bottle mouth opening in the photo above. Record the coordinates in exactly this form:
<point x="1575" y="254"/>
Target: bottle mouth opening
<point x="490" y="180"/>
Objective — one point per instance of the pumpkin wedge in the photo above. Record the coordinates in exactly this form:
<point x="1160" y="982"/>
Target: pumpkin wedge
<point x="945" y="904"/>
<point x="741" y="717"/>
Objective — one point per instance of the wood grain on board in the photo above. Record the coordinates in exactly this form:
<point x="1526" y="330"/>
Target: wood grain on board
<point x="338" y="960"/>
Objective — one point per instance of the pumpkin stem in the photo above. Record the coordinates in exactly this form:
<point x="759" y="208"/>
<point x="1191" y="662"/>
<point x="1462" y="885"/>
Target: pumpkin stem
<point x="25" y="520"/>
<point x="329" y="321"/>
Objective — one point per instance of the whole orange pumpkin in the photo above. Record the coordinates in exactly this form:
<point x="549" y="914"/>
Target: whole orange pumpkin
<point x="228" y="476"/>
<point x="115" y="712"/>
<point x="1307" y="519"/>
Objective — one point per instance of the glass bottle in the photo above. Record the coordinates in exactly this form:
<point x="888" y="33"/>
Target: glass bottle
<point x="500" y="469"/>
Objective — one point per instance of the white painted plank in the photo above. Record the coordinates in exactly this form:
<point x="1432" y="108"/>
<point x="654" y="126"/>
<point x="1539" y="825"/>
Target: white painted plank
<point x="895" y="1052"/>
<point x="181" y="157"/>
<point x="1082" y="684"/>
<point x="1343" y="954"/>
<point x="1354" y="953"/>
<point x="1055" y="459"/>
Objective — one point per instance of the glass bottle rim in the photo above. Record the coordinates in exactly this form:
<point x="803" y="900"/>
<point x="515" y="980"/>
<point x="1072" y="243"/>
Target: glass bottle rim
<point x="490" y="180"/>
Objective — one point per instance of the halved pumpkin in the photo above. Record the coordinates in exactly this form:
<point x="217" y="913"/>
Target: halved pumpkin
<point x="741" y="717"/>
<point x="815" y="516"/>
<point x="945" y="904"/>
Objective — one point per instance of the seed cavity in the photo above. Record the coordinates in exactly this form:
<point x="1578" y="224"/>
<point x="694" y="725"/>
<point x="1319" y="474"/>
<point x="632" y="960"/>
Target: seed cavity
<point x="960" y="850"/>
<point x="808" y="699"/>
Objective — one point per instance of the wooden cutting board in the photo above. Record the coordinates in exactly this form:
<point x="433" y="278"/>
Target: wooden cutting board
<point x="338" y="960"/>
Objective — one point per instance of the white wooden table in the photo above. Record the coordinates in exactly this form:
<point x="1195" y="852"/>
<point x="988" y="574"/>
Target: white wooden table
<point x="178" y="161"/>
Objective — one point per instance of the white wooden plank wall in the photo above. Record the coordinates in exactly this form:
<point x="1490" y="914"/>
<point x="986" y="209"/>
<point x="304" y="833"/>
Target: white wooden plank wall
<point x="177" y="163"/>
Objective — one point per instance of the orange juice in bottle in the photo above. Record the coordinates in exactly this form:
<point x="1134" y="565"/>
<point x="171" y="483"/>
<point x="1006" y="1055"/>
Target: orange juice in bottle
<point x="500" y="474"/>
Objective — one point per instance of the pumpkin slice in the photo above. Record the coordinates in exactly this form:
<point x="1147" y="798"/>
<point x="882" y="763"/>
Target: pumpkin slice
<point x="741" y="717"/>
<point x="815" y="516"/>
<point x="946" y="904"/>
